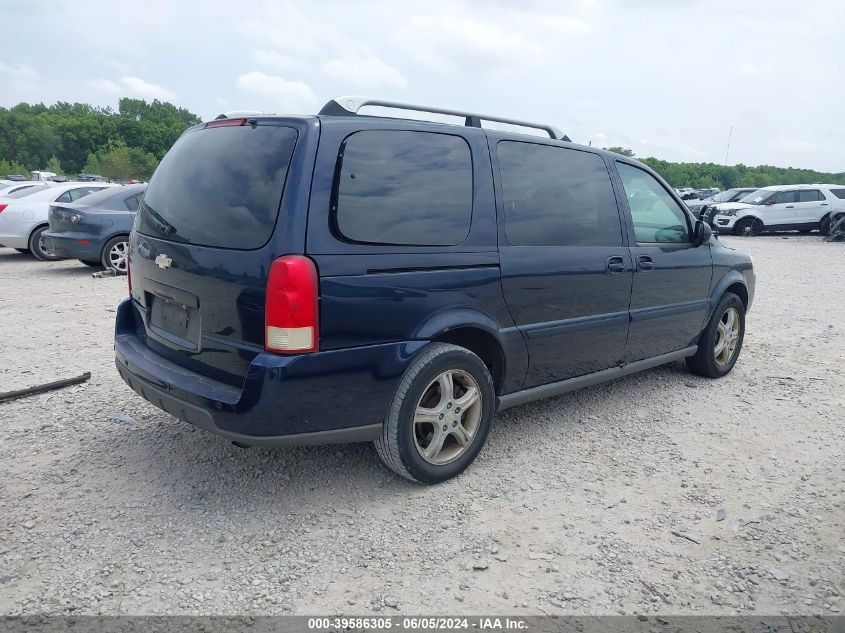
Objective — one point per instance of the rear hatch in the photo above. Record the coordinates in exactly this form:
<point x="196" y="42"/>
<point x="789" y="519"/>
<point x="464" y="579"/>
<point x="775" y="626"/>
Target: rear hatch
<point x="202" y="244"/>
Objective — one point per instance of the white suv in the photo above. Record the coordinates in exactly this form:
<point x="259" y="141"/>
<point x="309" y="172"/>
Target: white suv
<point x="781" y="208"/>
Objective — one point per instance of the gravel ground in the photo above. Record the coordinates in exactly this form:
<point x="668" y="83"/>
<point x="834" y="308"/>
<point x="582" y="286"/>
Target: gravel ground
<point x="661" y="492"/>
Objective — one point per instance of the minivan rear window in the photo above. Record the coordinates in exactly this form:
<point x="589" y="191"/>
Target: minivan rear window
<point x="219" y="186"/>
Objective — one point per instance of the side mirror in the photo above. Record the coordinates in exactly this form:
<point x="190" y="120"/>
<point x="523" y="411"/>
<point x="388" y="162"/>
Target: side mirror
<point x="703" y="233"/>
<point x="769" y="202"/>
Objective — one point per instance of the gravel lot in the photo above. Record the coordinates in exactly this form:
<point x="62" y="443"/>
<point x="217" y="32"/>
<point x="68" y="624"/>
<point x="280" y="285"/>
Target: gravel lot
<point x="603" y="501"/>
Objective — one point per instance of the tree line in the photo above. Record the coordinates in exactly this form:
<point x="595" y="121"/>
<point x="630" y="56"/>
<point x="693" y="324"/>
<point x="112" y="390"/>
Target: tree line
<point x="74" y="138"/>
<point x="706" y="175"/>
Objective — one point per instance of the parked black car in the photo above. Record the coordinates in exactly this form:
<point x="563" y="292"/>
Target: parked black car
<point x="339" y="278"/>
<point x="96" y="229"/>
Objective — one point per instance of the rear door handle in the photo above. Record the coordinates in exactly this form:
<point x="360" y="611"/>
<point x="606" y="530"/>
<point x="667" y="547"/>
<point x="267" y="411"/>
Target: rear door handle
<point x="615" y="265"/>
<point x="789" y="206"/>
<point x="824" y="204"/>
<point x="645" y="263"/>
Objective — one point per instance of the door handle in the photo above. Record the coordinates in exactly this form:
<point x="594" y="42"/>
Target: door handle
<point x="789" y="206"/>
<point x="824" y="204"/>
<point x="645" y="263"/>
<point x="615" y="265"/>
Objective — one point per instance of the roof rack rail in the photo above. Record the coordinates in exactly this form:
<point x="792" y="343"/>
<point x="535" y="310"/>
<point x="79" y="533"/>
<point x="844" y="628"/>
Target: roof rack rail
<point x="341" y="106"/>
<point x="239" y="114"/>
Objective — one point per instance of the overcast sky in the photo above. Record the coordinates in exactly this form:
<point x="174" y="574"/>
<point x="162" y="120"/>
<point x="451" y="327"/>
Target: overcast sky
<point x="667" y="78"/>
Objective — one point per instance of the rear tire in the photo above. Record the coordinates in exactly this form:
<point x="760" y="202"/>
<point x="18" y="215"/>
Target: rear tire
<point x="824" y="225"/>
<point x="721" y="341"/>
<point x="115" y="253"/>
<point x="749" y="226"/>
<point x="37" y="248"/>
<point x="438" y="382"/>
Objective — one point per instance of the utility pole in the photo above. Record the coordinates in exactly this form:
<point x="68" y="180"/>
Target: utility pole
<point x="727" y="152"/>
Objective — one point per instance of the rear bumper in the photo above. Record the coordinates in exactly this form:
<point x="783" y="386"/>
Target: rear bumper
<point x="70" y="246"/>
<point x="326" y="397"/>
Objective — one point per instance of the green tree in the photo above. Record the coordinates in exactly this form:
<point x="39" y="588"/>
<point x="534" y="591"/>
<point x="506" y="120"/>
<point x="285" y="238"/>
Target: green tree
<point x="54" y="165"/>
<point x="120" y="162"/>
<point x="8" y="168"/>
<point x="624" y="151"/>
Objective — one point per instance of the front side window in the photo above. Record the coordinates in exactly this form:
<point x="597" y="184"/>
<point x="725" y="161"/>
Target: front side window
<point x="404" y="188"/>
<point x="657" y="217"/>
<point x="783" y="197"/>
<point x="555" y="196"/>
<point x="810" y="195"/>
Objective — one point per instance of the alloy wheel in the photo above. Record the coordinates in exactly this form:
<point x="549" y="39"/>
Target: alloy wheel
<point x="117" y="256"/>
<point x="727" y="337"/>
<point x="447" y="417"/>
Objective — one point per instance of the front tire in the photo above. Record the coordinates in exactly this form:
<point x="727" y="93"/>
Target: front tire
<point x="37" y="247"/>
<point x="749" y="226"/>
<point x="721" y="341"/>
<point x="440" y="415"/>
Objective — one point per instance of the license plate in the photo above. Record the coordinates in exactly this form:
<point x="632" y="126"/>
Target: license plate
<point x="172" y="317"/>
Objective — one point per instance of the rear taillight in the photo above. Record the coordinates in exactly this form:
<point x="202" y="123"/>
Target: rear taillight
<point x="3" y="206"/>
<point x="226" y="123"/>
<point x="291" y="312"/>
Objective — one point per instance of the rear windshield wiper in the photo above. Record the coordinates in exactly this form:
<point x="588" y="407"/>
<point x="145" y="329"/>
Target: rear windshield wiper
<point x="159" y="223"/>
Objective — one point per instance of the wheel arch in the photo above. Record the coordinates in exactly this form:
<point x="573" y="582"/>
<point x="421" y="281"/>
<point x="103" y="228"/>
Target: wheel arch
<point x="473" y="330"/>
<point x="34" y="228"/>
<point x="732" y="282"/>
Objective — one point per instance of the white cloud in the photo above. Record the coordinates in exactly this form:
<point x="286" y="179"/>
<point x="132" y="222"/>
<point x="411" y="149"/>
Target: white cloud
<point x="119" y="66"/>
<point x="104" y="85"/>
<point x="145" y="89"/>
<point x="131" y="86"/>
<point x="289" y="96"/>
<point x="273" y="59"/>
<point x="364" y="69"/>
<point x="21" y="72"/>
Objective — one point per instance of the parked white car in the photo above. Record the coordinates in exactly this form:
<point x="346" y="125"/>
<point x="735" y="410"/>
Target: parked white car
<point x="781" y="208"/>
<point x="11" y="186"/>
<point x="23" y="213"/>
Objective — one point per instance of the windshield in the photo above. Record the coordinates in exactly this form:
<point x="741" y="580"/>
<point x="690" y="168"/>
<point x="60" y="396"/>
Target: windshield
<point x="219" y="186"/>
<point x="757" y="197"/>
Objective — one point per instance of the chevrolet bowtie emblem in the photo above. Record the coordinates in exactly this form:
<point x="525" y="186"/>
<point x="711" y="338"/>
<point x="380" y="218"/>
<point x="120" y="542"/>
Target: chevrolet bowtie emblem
<point x="163" y="261"/>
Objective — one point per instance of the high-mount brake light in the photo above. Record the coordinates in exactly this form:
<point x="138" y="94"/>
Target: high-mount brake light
<point x="291" y="310"/>
<point x="226" y="123"/>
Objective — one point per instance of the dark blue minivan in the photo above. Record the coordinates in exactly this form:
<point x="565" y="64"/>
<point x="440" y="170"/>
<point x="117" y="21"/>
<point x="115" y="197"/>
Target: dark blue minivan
<point x="345" y="278"/>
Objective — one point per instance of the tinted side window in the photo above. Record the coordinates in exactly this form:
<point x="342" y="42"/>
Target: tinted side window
<point x="839" y="193"/>
<point x="655" y="214"/>
<point x="404" y="188"/>
<point x="783" y="197"/>
<point x="132" y="202"/>
<point x="810" y="195"/>
<point x="554" y="196"/>
<point x="65" y="197"/>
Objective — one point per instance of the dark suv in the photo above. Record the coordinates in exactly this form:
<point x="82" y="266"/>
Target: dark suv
<point x="343" y="278"/>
